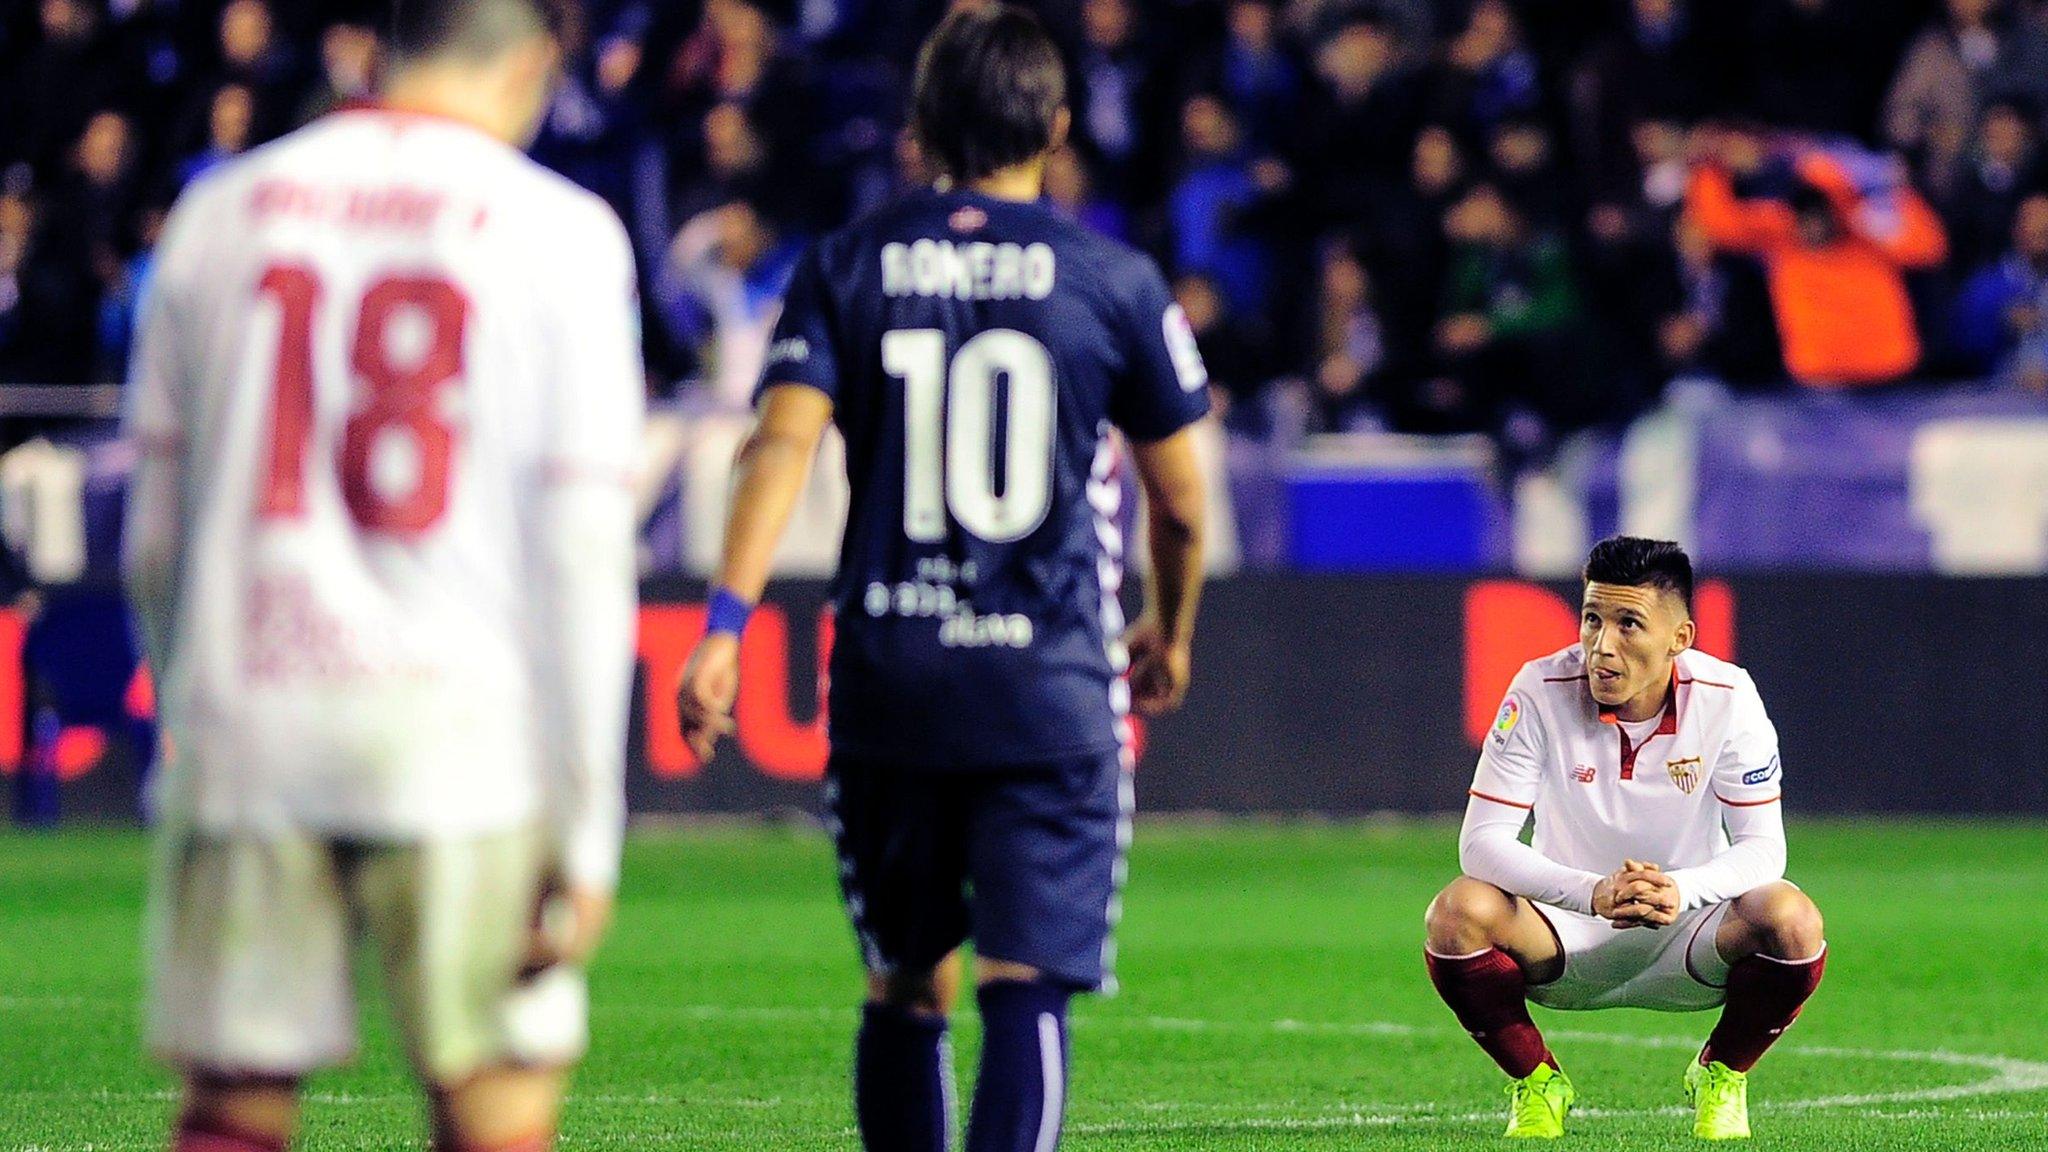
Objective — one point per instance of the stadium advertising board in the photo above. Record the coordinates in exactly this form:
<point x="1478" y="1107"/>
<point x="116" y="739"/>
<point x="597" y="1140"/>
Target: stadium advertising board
<point x="1333" y="695"/>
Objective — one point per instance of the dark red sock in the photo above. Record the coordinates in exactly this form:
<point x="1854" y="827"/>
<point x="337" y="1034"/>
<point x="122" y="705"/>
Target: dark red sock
<point x="1489" y="995"/>
<point x="196" y="1135"/>
<point x="1764" y="998"/>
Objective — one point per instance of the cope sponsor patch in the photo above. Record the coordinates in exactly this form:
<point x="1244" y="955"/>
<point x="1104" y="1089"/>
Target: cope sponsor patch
<point x="1761" y="775"/>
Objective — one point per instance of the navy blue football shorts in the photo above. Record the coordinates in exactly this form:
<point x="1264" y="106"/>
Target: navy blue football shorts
<point x="1026" y="862"/>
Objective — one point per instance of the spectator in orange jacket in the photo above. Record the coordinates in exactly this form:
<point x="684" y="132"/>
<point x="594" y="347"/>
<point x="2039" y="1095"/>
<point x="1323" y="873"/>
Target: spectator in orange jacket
<point x="1835" y="263"/>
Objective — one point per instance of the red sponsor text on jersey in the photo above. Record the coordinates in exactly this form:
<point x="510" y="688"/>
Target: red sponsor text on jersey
<point x="384" y="207"/>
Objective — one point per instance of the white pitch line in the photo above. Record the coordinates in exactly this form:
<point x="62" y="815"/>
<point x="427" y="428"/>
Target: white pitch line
<point x="96" y="1146"/>
<point x="1355" y="1118"/>
<point x="57" y="1002"/>
<point x="1386" y="1120"/>
<point x="350" y="1099"/>
<point x="2007" y="1074"/>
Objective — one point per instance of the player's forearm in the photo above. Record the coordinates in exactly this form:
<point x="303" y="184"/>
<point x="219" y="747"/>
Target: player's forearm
<point x="151" y="554"/>
<point x="1176" y="516"/>
<point x="768" y="477"/>
<point x="1490" y="849"/>
<point x="1175" y="589"/>
<point x="590" y="614"/>
<point x="1755" y="856"/>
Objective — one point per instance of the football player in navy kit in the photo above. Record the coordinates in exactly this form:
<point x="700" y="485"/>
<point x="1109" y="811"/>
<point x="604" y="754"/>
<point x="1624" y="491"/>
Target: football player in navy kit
<point x="977" y="351"/>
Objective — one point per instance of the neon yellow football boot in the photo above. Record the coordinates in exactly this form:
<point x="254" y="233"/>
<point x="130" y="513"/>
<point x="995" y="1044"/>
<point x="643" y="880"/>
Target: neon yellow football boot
<point x="1720" y="1099"/>
<point x="1537" y="1104"/>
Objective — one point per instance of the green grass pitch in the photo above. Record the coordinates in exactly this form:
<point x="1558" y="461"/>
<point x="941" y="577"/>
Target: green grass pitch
<point x="1273" y="998"/>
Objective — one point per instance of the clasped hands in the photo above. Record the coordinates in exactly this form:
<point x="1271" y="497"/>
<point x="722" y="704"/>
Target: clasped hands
<point x="1638" y="895"/>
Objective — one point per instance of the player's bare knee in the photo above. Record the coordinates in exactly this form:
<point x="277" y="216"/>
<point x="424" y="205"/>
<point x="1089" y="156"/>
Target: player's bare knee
<point x="1466" y="916"/>
<point x="921" y="993"/>
<point x="1786" y="922"/>
<point x="988" y="970"/>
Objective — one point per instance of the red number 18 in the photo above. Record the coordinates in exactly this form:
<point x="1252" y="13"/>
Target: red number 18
<point x="398" y="398"/>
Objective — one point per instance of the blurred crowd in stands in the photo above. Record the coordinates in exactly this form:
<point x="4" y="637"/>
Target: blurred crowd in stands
<point x="1517" y="217"/>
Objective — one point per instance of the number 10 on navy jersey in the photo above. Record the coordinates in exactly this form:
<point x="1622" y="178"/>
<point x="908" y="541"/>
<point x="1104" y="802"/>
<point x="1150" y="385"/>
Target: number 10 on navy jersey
<point x="949" y="414"/>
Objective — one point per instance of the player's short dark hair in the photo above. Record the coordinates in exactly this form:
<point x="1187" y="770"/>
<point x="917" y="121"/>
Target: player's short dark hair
<point x="1633" y="561"/>
<point x="470" y="29"/>
<point x="989" y="89"/>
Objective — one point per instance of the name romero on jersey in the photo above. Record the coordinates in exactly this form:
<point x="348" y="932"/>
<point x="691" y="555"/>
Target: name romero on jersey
<point x="973" y="271"/>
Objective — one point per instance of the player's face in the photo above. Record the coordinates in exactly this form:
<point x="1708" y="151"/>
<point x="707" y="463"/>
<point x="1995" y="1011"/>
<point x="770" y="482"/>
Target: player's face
<point x="1631" y="634"/>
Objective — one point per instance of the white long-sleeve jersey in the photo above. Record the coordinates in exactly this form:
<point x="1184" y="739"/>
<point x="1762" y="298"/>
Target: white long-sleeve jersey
<point x="388" y="396"/>
<point x="1698" y="795"/>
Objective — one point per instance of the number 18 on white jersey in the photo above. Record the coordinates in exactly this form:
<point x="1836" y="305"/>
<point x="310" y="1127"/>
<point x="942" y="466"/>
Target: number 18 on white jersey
<point x="388" y="384"/>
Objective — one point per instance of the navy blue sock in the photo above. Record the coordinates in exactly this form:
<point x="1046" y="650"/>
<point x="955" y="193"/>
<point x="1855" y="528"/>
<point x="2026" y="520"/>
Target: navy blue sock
<point x="902" y="1081"/>
<point x="1021" y="1095"/>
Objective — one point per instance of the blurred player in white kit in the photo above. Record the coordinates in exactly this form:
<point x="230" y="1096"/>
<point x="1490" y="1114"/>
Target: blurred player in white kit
<point x="388" y="396"/>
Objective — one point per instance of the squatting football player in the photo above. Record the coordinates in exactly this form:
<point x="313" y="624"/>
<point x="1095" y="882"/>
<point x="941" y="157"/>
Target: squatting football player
<point x="1655" y="878"/>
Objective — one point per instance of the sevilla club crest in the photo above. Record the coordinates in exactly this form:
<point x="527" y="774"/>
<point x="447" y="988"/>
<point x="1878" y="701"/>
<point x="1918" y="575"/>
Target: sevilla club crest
<point x="1685" y="773"/>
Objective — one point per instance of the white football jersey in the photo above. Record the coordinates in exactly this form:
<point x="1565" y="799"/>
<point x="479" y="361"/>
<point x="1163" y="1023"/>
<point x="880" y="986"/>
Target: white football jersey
<point x="1601" y="798"/>
<point x="376" y="347"/>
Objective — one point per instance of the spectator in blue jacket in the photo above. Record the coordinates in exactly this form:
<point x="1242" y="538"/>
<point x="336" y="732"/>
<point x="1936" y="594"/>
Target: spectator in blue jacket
<point x="2000" y="322"/>
<point x="1212" y="203"/>
<point x="1254" y="73"/>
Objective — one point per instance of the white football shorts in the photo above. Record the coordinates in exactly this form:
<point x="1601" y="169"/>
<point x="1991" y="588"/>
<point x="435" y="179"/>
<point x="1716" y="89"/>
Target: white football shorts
<point x="251" y="940"/>
<point x="1674" y="969"/>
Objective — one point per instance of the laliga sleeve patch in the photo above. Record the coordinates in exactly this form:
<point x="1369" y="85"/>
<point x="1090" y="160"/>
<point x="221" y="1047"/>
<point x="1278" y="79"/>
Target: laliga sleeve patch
<point x="1180" y="345"/>
<point x="1504" y="725"/>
